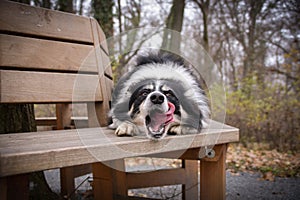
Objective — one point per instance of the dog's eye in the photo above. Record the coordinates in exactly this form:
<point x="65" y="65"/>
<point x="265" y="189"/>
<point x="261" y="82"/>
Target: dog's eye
<point x="144" y="92"/>
<point x="168" y="93"/>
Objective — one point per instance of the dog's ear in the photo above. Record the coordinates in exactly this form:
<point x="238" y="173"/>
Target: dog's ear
<point x="161" y="57"/>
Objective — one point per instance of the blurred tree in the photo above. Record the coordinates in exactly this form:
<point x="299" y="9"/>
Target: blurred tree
<point x="127" y="45"/>
<point x="43" y="3"/>
<point x="23" y="1"/>
<point x="103" y="12"/>
<point x="205" y="10"/>
<point x="16" y="118"/>
<point x="241" y="22"/>
<point x="46" y="4"/>
<point x="65" y="5"/>
<point x="80" y="11"/>
<point x="172" y="39"/>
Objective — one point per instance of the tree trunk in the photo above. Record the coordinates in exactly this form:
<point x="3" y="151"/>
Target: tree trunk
<point x="65" y="5"/>
<point x="172" y="39"/>
<point x="16" y="118"/>
<point x="46" y="4"/>
<point x="80" y="12"/>
<point x="204" y="7"/>
<point x="103" y="13"/>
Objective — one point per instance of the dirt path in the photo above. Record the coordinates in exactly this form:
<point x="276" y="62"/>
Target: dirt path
<point x="239" y="186"/>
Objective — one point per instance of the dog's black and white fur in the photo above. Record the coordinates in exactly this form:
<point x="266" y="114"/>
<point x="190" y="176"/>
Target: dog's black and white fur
<point x="159" y="96"/>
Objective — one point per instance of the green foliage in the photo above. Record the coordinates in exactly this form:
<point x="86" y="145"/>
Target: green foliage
<point x="103" y="12"/>
<point x="265" y="113"/>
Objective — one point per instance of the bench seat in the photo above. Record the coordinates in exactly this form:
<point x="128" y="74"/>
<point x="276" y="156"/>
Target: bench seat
<point x="37" y="151"/>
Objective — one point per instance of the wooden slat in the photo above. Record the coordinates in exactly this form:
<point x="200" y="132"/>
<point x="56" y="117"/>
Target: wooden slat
<point x="79" y="122"/>
<point x="106" y="64"/>
<point x="43" y="87"/>
<point x="102" y="40"/>
<point x="16" y="51"/>
<point x="21" y="153"/>
<point x="99" y="109"/>
<point x="170" y="177"/>
<point x="109" y="87"/>
<point x="104" y="52"/>
<point x="20" y="18"/>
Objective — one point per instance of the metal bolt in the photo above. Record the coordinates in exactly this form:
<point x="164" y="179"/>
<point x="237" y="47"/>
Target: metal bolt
<point x="210" y="153"/>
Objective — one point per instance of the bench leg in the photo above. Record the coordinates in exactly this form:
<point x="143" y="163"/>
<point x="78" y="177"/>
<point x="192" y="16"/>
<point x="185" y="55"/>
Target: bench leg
<point x="67" y="181"/>
<point x="109" y="183"/>
<point x="190" y="188"/>
<point x="14" y="187"/>
<point x="3" y="188"/>
<point x="213" y="175"/>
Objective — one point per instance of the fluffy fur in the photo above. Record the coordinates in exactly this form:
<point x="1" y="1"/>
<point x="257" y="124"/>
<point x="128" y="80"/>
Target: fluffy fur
<point x="159" y="96"/>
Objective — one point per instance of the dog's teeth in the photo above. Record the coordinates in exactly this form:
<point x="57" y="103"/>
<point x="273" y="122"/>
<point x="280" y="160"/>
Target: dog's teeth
<point x="161" y="130"/>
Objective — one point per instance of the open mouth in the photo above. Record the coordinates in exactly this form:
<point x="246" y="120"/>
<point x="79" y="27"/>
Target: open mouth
<point x="157" y="120"/>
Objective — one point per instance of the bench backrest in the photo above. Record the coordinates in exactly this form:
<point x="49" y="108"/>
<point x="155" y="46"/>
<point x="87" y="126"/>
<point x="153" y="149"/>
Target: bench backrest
<point x="46" y="55"/>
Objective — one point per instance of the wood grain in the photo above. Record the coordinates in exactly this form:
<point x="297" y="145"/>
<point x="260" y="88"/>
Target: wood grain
<point x="24" y="19"/>
<point x="23" y="52"/>
<point x="170" y="177"/>
<point x="43" y="87"/>
<point x="100" y="109"/>
<point x="21" y="153"/>
<point x="104" y="51"/>
<point x="213" y="176"/>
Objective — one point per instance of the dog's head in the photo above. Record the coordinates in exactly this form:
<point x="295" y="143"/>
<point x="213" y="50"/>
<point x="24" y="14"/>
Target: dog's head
<point x="159" y="95"/>
<point x="154" y="105"/>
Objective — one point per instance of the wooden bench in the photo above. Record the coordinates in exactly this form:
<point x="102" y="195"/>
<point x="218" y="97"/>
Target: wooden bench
<point x="43" y="55"/>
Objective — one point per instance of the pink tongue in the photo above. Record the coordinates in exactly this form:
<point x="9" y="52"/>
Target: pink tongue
<point x="158" y="118"/>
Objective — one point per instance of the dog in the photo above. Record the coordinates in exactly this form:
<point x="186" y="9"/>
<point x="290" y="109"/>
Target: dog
<point x="160" y="96"/>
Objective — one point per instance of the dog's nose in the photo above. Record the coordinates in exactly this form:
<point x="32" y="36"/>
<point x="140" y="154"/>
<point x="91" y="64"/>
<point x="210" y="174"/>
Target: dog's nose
<point x="157" y="98"/>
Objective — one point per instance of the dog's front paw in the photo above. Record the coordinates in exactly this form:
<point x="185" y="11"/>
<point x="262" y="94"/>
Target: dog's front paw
<point x="182" y="130"/>
<point x="126" y="129"/>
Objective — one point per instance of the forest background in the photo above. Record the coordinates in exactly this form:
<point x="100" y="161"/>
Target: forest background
<point x="255" y="46"/>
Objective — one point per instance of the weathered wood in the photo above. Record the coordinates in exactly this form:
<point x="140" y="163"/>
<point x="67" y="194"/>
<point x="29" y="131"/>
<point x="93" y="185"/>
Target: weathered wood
<point x="101" y="108"/>
<point x="24" y="19"/>
<point x="42" y="51"/>
<point x="78" y="122"/>
<point x="18" y="187"/>
<point x="3" y="188"/>
<point x="120" y="188"/>
<point x="170" y="177"/>
<point x="213" y="175"/>
<point x="24" y="52"/>
<point x="21" y="153"/>
<point x="109" y="181"/>
<point x="104" y="52"/>
<point x="67" y="176"/>
<point x="44" y="87"/>
<point x="63" y="116"/>
<point x="190" y="187"/>
<point x="67" y="182"/>
<point x="103" y="182"/>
